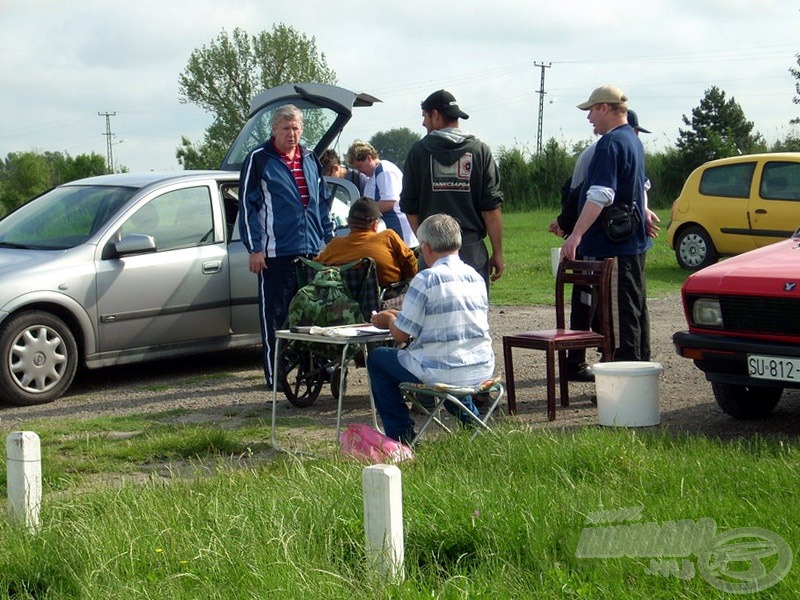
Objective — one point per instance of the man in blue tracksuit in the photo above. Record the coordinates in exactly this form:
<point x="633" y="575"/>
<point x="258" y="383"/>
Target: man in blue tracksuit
<point x="285" y="213"/>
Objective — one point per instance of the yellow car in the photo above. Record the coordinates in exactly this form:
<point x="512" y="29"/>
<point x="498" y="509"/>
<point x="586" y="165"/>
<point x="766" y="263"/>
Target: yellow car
<point x="732" y="205"/>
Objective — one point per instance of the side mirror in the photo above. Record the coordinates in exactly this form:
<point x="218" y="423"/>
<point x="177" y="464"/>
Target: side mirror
<point x="135" y="243"/>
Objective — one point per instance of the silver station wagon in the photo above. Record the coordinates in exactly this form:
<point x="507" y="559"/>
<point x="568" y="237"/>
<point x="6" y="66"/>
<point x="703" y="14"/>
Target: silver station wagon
<point x="131" y="267"/>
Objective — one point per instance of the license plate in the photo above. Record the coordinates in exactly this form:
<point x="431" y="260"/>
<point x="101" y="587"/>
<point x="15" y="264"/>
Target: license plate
<point x="776" y="368"/>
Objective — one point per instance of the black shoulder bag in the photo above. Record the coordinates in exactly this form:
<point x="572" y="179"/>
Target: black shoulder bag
<point x="620" y="221"/>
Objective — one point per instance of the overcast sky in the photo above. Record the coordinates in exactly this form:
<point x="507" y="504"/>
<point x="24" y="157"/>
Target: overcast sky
<point x="63" y="61"/>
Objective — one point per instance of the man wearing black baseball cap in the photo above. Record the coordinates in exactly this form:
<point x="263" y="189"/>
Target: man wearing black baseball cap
<point x="451" y="171"/>
<point x="445" y="103"/>
<point x="633" y="121"/>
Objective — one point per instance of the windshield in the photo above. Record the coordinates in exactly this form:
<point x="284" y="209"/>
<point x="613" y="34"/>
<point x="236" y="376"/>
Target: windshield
<point x="62" y="218"/>
<point x="317" y="121"/>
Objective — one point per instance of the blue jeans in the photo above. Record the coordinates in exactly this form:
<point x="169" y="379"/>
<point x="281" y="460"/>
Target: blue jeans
<point x="385" y="375"/>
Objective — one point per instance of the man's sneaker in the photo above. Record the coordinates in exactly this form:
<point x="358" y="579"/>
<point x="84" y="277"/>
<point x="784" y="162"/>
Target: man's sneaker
<point x="582" y="372"/>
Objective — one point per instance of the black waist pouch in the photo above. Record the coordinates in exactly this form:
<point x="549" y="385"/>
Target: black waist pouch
<point x="620" y="221"/>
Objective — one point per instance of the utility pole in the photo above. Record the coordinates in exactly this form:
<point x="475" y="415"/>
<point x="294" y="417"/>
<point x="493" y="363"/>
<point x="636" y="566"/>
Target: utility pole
<point x="541" y="93"/>
<point x="109" y="135"/>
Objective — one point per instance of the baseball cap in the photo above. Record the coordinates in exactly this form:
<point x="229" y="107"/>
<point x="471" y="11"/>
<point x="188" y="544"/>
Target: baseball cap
<point x="363" y="212"/>
<point x="605" y="94"/>
<point x="633" y="121"/>
<point x="445" y="103"/>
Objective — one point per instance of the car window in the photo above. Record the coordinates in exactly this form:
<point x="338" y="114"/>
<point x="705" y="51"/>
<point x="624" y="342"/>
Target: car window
<point x="317" y="122"/>
<point x="230" y="204"/>
<point x="177" y="219"/>
<point x="63" y="217"/>
<point x="732" y="181"/>
<point x="780" y="181"/>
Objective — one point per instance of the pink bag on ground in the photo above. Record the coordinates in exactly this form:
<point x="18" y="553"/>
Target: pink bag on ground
<point x="363" y="442"/>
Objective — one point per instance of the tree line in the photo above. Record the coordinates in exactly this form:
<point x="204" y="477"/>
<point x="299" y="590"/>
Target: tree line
<point x="223" y="77"/>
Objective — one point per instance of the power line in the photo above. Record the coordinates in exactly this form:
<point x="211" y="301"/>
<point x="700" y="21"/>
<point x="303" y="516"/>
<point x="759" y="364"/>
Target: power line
<point x="109" y="135"/>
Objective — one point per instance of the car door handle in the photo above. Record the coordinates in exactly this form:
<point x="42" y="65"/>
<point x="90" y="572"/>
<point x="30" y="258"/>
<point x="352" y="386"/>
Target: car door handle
<point x="212" y="266"/>
<point x="761" y="211"/>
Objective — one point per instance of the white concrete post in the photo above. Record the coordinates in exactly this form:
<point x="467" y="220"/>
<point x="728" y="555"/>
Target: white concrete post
<point x="24" y="478"/>
<point x="383" y="520"/>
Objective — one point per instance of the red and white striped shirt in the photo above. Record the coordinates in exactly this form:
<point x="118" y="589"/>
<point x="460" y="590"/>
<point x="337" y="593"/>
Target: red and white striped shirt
<point x="296" y="167"/>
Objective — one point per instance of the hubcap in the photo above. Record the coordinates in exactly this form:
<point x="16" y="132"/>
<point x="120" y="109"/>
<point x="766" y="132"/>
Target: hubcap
<point x="693" y="250"/>
<point x="38" y="359"/>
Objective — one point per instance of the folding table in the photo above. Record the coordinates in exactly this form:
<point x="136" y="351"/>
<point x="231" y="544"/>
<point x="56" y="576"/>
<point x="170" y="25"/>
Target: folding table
<point x="367" y="334"/>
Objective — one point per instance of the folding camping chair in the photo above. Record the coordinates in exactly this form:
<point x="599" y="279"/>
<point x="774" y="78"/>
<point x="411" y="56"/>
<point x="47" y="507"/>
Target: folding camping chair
<point x="430" y="399"/>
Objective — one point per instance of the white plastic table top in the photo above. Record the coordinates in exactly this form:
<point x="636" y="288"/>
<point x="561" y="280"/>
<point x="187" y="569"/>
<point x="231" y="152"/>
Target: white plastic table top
<point x="372" y="335"/>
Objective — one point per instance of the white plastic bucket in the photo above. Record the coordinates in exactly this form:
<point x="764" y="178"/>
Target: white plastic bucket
<point x="627" y="393"/>
<point x="555" y="258"/>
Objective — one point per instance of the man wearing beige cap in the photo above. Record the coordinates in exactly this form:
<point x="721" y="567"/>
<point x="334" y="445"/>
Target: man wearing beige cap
<point x="616" y="177"/>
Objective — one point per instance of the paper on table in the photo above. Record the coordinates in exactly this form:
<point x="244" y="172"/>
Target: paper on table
<point x="346" y="331"/>
<point x="372" y="329"/>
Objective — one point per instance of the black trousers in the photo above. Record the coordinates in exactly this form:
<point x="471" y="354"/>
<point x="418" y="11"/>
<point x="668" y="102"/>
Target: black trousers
<point x="583" y="315"/>
<point x="634" y="319"/>
<point x="277" y="287"/>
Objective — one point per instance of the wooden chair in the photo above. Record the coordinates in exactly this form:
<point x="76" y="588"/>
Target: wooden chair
<point x="559" y="340"/>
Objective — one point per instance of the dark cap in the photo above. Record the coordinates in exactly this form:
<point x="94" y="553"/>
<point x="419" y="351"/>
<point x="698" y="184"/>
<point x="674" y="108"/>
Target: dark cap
<point x="445" y="103"/>
<point x="633" y="121"/>
<point x="363" y="212"/>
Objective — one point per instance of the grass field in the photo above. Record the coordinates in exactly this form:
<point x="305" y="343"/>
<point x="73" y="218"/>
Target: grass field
<point x="503" y="516"/>
<point x="499" y="517"/>
<point x="528" y="277"/>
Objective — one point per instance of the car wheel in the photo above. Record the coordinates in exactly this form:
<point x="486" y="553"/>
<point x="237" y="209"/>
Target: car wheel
<point x="694" y="249"/>
<point x="746" y="401"/>
<point x="39" y="358"/>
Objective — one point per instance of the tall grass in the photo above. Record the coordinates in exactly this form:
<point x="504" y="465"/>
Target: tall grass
<point x="500" y="517"/>
<point x="528" y="278"/>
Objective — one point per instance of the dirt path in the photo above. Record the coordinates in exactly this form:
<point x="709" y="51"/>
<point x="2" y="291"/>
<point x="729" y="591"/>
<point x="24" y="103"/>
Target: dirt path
<point x="227" y="386"/>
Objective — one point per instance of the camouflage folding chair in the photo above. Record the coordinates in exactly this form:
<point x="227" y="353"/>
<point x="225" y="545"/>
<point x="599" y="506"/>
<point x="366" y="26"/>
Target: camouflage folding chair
<point x="306" y="367"/>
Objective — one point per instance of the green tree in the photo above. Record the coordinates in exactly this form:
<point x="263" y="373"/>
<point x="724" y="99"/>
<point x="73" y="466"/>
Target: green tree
<point x="790" y="143"/>
<point x="796" y="74"/>
<point x="224" y="76"/>
<point x="24" y="175"/>
<point x="534" y="183"/>
<point x="394" y="144"/>
<point x="718" y="129"/>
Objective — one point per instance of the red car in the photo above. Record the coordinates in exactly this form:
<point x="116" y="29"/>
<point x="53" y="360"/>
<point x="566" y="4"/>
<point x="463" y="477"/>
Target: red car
<point x="744" y="327"/>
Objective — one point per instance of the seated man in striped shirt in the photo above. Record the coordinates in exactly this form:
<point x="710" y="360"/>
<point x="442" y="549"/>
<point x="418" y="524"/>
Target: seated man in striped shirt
<point x="445" y="316"/>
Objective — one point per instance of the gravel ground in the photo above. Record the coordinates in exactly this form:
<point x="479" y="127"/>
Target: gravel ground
<point x="228" y="386"/>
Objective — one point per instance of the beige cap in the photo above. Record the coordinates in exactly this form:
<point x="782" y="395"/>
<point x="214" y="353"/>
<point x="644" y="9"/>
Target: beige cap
<point x="605" y="94"/>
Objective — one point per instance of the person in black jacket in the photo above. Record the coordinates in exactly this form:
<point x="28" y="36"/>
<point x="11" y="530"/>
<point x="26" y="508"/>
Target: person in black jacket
<point x="583" y="311"/>
<point x="451" y="171"/>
